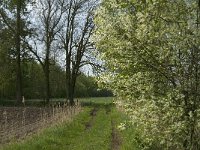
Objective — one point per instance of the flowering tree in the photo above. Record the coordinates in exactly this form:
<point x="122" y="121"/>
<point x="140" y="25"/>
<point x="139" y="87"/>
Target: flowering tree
<point x="151" y="52"/>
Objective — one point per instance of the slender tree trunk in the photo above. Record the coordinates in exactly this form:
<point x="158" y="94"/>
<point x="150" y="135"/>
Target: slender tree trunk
<point x="68" y="77"/>
<point x="72" y="90"/>
<point x="72" y="87"/>
<point x="18" y="67"/>
<point x="67" y="86"/>
<point x="67" y="83"/>
<point x="47" y="98"/>
<point x="47" y="80"/>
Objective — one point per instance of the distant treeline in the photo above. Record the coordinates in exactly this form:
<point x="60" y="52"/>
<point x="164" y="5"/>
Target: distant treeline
<point x="34" y="86"/>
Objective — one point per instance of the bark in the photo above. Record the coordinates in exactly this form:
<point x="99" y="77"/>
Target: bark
<point x="68" y="79"/>
<point x="46" y="67"/>
<point x="72" y="88"/>
<point x="47" y="82"/>
<point x="18" y="45"/>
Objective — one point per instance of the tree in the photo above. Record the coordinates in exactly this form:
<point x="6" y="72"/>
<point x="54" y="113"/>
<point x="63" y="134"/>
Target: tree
<point x="17" y="26"/>
<point x="7" y="64"/>
<point x="49" y="16"/>
<point x="31" y="35"/>
<point x="75" y="39"/>
<point x="152" y="56"/>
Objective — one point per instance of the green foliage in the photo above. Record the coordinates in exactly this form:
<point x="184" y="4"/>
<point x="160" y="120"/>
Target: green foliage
<point x="88" y="87"/>
<point x="33" y="81"/>
<point x="7" y="65"/>
<point x="127" y="132"/>
<point x="20" y="36"/>
<point x="151" y="52"/>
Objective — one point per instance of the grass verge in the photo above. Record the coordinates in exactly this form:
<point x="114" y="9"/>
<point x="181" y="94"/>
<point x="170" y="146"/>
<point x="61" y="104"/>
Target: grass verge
<point x="76" y="136"/>
<point x="58" y="137"/>
<point x="72" y="136"/>
<point x="128" y="135"/>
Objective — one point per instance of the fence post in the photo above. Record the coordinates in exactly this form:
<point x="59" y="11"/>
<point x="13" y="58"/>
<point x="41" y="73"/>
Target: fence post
<point x="5" y="119"/>
<point x="53" y="111"/>
<point x="41" y="115"/>
<point x="23" y="116"/>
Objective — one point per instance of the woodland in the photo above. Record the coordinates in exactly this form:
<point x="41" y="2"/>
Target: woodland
<point x="146" y="52"/>
<point x="44" y="46"/>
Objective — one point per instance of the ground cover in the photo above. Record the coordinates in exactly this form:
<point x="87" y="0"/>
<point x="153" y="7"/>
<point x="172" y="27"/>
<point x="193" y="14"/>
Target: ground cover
<point x="95" y="128"/>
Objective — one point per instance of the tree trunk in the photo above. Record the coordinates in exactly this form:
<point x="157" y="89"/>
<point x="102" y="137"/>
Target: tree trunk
<point x="47" y="82"/>
<point x="72" y="87"/>
<point x="68" y="78"/>
<point x="18" y="66"/>
<point x="68" y="75"/>
<point x="72" y="90"/>
<point x="67" y="86"/>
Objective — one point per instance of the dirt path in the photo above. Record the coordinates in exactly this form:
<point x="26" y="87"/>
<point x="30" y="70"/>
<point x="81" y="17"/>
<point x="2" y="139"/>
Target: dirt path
<point x="116" y="140"/>
<point x="93" y="114"/>
<point x="94" y="128"/>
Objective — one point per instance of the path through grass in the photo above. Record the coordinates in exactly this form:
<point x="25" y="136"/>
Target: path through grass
<point x="95" y="128"/>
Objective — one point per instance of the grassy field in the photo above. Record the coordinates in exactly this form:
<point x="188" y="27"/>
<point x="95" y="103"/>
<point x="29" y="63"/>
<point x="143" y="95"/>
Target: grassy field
<point x="39" y="102"/>
<point x="95" y="128"/>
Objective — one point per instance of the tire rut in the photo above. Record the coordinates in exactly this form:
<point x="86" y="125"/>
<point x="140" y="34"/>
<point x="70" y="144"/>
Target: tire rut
<point x="116" y="140"/>
<point x="93" y="114"/>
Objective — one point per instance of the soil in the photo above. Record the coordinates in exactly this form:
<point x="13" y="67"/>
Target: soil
<point x="108" y="109"/>
<point x="93" y="113"/>
<point x="17" y="122"/>
<point x="116" y="140"/>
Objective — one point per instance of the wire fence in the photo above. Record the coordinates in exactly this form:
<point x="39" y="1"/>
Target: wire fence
<point x="18" y="122"/>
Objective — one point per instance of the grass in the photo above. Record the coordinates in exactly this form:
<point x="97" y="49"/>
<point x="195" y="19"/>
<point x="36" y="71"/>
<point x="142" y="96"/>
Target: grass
<point x="75" y="136"/>
<point x="39" y="102"/>
<point x="97" y="100"/>
<point x="96" y="138"/>
<point x="128" y="135"/>
<point x="57" y="137"/>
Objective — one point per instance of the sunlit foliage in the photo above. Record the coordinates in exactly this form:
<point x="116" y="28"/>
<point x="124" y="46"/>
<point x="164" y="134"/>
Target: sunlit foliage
<point x="151" y="52"/>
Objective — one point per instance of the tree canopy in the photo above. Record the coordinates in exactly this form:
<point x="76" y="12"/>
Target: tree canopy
<point x="44" y="45"/>
<point x="151" y="52"/>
